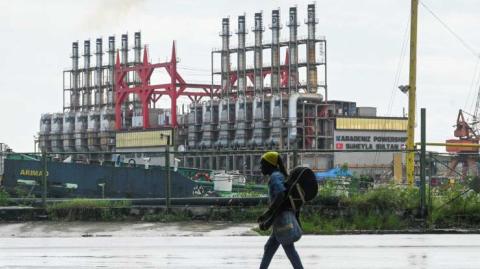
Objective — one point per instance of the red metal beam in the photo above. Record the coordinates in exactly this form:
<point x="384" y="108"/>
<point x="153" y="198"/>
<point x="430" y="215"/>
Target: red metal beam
<point x="148" y="93"/>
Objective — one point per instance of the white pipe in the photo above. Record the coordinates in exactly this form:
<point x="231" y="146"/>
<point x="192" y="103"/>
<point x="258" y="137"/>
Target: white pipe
<point x="292" y="110"/>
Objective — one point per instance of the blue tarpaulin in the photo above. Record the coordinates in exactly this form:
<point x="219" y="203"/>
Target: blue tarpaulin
<point x="332" y="173"/>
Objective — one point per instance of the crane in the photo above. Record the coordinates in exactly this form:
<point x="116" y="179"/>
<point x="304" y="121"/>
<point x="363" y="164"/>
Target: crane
<point x="465" y="133"/>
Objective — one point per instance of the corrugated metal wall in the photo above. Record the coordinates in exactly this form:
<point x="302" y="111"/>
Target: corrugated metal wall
<point x="120" y="182"/>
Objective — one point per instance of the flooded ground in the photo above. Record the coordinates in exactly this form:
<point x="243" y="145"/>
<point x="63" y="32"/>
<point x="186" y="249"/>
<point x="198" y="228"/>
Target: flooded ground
<point x="218" y="245"/>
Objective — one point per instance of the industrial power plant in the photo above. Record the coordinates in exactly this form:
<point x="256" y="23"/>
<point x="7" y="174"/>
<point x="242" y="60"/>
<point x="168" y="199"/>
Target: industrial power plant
<point x="264" y="95"/>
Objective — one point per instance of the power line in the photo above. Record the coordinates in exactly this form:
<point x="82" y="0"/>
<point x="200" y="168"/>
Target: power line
<point x="450" y="30"/>
<point x="398" y="73"/>
<point x="472" y="88"/>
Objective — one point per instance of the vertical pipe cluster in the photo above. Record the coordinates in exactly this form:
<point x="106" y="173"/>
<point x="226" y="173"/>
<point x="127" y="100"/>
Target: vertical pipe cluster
<point x="293" y="51"/>
<point x="241" y="59"/>
<point x="111" y="70"/>
<point x="99" y="94"/>
<point x="87" y="97"/>
<point x="258" y="54"/>
<point x="275" y="76"/>
<point x="311" y="61"/>
<point x="124" y="54"/>
<point x="137" y="53"/>
<point x="225" y="61"/>
<point x="74" y="95"/>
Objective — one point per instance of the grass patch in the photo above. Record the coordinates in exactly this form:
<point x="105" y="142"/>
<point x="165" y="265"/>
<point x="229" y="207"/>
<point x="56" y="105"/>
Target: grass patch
<point x="3" y="197"/>
<point x="454" y="211"/>
<point x="88" y="209"/>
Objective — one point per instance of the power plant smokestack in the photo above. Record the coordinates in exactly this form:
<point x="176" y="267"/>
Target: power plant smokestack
<point x="124" y="54"/>
<point x="293" y="51"/>
<point x="241" y="59"/>
<point x="275" y="76"/>
<point x="138" y="47"/>
<point x="311" y="59"/>
<point x="87" y="97"/>
<point x="74" y="94"/>
<point x="111" y="70"/>
<point x="99" y="94"/>
<point x="137" y="53"/>
<point x="258" y="54"/>
<point x="225" y="61"/>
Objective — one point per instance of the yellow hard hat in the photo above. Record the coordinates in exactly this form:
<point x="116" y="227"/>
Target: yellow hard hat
<point x="271" y="157"/>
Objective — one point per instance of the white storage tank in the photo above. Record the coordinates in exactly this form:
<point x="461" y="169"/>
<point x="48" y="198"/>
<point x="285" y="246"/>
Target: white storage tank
<point x="57" y="132"/>
<point x="81" y="121"/>
<point x="107" y="127"/>
<point x="93" y="130"/>
<point x="93" y="121"/>
<point x="107" y="120"/>
<point x="223" y="123"/>
<point x="45" y="124"/>
<point x="68" y="122"/>
<point x="57" y="123"/>
<point x="44" y="139"/>
<point x="68" y="131"/>
<point x="222" y="182"/>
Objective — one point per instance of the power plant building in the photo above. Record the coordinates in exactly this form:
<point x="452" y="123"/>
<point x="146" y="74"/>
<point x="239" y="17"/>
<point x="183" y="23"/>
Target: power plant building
<point x="271" y="95"/>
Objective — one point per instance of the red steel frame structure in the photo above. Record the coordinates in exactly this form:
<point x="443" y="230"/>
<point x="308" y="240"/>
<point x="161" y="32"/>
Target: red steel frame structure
<point x="149" y="94"/>
<point x="177" y="86"/>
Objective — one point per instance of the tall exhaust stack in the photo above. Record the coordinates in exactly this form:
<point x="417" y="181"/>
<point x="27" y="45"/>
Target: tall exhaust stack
<point x="311" y="59"/>
<point x="275" y="76"/>
<point x="74" y="94"/>
<point x="87" y="97"/>
<point x="137" y="53"/>
<point x="241" y="59"/>
<point x="111" y="70"/>
<point x="258" y="54"/>
<point x="99" y="94"/>
<point x="124" y="54"/>
<point x="225" y="63"/>
<point x="293" y="51"/>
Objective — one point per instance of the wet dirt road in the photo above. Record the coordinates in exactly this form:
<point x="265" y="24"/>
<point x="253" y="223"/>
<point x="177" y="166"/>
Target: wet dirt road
<point x="218" y="245"/>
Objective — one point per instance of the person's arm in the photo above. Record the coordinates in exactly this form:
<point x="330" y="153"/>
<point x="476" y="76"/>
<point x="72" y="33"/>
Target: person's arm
<point x="266" y="219"/>
<point x="278" y="192"/>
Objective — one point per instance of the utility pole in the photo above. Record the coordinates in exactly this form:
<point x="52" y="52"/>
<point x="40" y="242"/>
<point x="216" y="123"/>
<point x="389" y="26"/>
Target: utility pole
<point x="44" y="177"/>
<point x="412" y="94"/>
<point x="423" y="163"/>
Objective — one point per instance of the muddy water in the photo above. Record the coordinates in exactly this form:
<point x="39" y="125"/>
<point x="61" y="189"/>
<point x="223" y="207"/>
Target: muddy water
<point x="218" y="245"/>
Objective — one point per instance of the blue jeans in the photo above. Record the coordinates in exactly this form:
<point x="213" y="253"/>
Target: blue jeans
<point x="271" y="247"/>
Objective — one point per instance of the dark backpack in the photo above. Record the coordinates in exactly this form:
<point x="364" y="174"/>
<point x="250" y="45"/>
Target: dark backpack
<point x="301" y="187"/>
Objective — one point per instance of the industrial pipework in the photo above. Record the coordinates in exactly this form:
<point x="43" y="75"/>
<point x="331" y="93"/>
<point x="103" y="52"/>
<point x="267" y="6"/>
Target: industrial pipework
<point x="225" y="61"/>
<point x="258" y="55"/>
<point x="275" y="75"/>
<point x="293" y="52"/>
<point x="311" y="44"/>
<point x="87" y="97"/>
<point x="74" y="95"/>
<point x="99" y="92"/>
<point x="241" y="58"/>
<point x="111" y="71"/>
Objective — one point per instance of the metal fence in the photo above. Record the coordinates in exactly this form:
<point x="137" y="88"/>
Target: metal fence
<point x="447" y="183"/>
<point x="174" y="174"/>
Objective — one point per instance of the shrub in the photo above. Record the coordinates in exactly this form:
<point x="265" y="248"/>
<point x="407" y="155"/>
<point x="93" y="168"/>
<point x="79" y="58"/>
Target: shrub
<point x="3" y="197"/>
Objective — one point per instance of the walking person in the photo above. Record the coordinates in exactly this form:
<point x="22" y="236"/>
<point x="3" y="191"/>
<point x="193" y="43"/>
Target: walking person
<point x="271" y="165"/>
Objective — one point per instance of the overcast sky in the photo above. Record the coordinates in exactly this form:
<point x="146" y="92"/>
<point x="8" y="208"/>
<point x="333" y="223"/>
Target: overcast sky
<point x="365" y="40"/>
